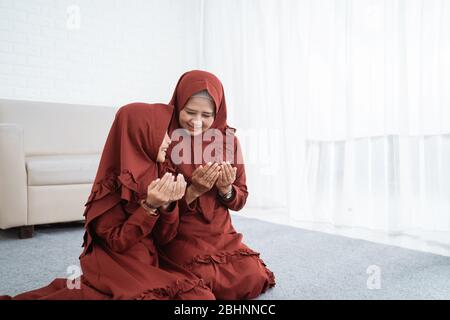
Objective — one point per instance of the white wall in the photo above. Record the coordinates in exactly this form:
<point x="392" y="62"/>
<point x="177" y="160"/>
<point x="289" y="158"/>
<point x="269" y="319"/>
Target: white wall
<point x="98" y="51"/>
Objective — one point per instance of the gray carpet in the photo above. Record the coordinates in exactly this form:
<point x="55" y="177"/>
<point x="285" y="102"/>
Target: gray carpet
<point x="307" y="264"/>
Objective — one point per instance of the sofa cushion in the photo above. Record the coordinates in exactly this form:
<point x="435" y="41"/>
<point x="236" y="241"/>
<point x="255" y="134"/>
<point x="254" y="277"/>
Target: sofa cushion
<point x="61" y="169"/>
<point x="82" y="129"/>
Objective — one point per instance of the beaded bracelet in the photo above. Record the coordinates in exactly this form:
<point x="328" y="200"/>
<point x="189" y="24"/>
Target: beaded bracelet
<point x="150" y="210"/>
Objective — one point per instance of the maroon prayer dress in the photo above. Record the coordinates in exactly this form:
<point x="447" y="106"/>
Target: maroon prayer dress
<point x="206" y="243"/>
<point x="119" y="260"/>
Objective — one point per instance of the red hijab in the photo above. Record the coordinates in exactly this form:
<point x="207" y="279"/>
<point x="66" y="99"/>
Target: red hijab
<point x="189" y="84"/>
<point x="128" y="162"/>
<point x="195" y="81"/>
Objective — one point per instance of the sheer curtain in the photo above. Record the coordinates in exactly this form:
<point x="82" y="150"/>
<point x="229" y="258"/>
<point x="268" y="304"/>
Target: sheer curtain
<point x="342" y="107"/>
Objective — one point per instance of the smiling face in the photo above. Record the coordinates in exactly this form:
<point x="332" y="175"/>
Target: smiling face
<point x="197" y="115"/>
<point x="163" y="148"/>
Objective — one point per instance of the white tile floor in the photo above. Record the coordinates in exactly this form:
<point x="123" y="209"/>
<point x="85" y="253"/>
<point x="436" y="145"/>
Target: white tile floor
<point x="405" y="241"/>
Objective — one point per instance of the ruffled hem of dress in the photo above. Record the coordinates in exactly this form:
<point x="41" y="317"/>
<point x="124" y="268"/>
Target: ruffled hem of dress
<point x="270" y="274"/>
<point x="220" y="257"/>
<point x="171" y="292"/>
<point x="229" y="256"/>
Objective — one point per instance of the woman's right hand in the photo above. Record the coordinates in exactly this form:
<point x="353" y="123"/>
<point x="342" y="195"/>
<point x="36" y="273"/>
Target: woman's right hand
<point x="204" y="178"/>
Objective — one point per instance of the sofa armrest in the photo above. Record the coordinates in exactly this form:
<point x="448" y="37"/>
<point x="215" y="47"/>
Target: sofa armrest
<point x="13" y="177"/>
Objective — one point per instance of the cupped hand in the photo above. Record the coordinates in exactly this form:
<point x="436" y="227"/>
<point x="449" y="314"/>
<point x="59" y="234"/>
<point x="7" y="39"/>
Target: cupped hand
<point x="226" y="178"/>
<point x="204" y="178"/>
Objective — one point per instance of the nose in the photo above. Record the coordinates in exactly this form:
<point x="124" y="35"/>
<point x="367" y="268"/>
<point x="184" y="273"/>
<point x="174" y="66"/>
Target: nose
<point x="198" y="118"/>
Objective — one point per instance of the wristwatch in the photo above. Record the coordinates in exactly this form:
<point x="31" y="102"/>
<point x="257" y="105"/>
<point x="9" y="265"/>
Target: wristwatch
<point x="228" y="195"/>
<point x="150" y="210"/>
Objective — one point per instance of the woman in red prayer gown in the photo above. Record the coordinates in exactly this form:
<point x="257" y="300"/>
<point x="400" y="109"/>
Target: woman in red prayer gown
<point x="206" y="242"/>
<point x="119" y="260"/>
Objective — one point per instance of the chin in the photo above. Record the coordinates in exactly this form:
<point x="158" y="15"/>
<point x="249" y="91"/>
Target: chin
<point x="195" y="133"/>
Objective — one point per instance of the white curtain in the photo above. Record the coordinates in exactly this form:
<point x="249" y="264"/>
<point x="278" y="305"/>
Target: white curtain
<point x="342" y="107"/>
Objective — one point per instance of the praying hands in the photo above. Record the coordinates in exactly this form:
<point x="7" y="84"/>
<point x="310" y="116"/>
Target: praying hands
<point x="162" y="192"/>
<point x="205" y="177"/>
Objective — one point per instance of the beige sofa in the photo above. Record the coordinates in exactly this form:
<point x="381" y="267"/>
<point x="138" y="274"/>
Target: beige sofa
<point x="49" y="154"/>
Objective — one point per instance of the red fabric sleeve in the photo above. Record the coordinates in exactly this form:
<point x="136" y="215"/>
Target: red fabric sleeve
<point x="121" y="231"/>
<point x="167" y="226"/>
<point x="188" y="208"/>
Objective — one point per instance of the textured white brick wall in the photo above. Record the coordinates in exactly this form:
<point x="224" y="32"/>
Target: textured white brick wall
<point x="112" y="52"/>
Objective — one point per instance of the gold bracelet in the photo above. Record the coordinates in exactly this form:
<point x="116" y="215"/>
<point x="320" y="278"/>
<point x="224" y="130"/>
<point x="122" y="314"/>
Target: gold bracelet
<point x="150" y="210"/>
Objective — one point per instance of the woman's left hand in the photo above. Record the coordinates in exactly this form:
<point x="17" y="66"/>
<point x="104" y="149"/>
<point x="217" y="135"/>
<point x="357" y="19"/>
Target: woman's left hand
<point x="226" y="178"/>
